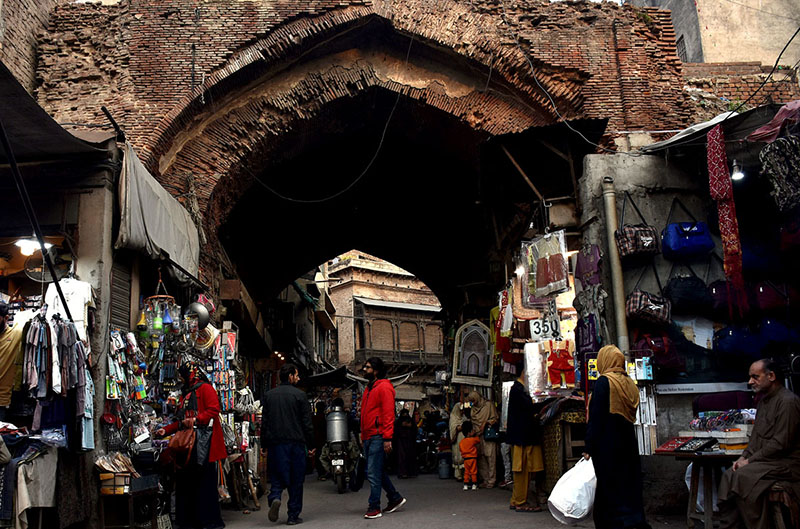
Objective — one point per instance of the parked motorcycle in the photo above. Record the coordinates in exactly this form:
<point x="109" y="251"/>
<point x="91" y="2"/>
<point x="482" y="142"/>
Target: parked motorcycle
<point x="340" y="453"/>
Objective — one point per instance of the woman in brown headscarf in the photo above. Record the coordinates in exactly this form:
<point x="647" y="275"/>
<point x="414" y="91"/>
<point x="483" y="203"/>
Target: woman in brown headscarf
<point x="484" y="414"/>
<point x="611" y="443"/>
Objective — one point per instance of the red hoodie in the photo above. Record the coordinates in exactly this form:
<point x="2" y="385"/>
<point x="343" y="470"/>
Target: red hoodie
<point x="377" y="410"/>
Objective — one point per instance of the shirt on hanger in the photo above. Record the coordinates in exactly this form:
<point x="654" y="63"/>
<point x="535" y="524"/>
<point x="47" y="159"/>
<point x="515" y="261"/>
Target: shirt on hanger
<point x="79" y="296"/>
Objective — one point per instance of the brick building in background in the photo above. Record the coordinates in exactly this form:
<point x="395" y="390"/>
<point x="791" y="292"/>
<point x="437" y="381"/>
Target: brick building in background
<point x="384" y="311"/>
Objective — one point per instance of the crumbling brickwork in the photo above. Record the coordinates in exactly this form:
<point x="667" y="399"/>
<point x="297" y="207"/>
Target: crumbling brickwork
<point x="204" y="89"/>
<point x="736" y="81"/>
<point x="21" y="21"/>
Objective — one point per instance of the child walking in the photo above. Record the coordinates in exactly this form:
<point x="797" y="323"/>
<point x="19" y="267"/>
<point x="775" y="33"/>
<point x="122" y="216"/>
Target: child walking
<point x="469" y="451"/>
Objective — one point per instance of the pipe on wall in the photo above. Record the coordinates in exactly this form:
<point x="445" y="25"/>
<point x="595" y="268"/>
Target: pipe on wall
<point x="617" y="282"/>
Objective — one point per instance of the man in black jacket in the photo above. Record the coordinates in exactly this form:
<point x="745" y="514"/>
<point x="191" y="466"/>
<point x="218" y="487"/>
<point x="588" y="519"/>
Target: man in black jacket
<point x="524" y="434"/>
<point x="286" y="432"/>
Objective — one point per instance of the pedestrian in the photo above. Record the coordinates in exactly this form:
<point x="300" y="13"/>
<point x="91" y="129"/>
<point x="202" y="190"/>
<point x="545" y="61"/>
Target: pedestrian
<point x="377" y="428"/>
<point x="456" y="435"/>
<point x="772" y="455"/>
<point x="483" y="415"/>
<point x="196" y="497"/>
<point x="405" y="436"/>
<point x="524" y="435"/>
<point x="469" y="452"/>
<point x="287" y="432"/>
<point x="611" y="444"/>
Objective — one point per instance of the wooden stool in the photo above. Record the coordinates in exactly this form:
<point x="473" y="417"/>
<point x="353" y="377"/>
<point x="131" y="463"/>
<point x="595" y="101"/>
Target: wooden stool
<point x="778" y="498"/>
<point x="572" y="438"/>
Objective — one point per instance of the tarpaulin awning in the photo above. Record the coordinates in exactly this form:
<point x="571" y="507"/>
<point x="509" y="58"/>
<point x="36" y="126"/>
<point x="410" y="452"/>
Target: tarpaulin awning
<point x="35" y="136"/>
<point x="153" y="221"/>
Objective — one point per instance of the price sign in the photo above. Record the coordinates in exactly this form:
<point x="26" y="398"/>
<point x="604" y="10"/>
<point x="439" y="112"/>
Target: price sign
<point x="547" y="328"/>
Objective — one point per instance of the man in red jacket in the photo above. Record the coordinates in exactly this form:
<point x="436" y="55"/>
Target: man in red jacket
<point x="377" y="428"/>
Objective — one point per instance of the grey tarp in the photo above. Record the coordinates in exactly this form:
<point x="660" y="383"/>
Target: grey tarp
<point x="152" y="220"/>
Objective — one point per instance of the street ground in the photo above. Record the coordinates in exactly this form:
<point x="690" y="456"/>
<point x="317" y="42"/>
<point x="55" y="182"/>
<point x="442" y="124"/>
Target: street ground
<point x="432" y="502"/>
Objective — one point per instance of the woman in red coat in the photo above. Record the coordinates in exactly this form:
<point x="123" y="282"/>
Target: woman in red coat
<point x="196" y="497"/>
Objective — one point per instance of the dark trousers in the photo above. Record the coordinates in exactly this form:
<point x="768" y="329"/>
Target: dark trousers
<point x="376" y="473"/>
<point x="287" y="470"/>
<point x="196" y="498"/>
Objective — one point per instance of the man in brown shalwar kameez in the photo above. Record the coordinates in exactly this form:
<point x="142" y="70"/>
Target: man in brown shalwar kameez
<point x="772" y="456"/>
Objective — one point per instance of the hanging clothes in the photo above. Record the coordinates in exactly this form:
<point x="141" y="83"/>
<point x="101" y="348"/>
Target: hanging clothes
<point x="780" y="163"/>
<point x="587" y="267"/>
<point x="560" y="363"/>
<point x="80" y="298"/>
<point x="546" y="264"/>
<point x="721" y="189"/>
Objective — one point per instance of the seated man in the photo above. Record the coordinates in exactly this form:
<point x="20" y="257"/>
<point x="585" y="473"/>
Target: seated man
<point x="773" y="454"/>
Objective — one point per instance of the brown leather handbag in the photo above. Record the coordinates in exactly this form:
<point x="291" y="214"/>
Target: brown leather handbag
<point x="181" y="445"/>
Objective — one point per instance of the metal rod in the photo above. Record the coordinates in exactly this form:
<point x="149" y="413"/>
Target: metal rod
<point x="117" y="128"/>
<point x="521" y="172"/>
<point x="26" y="202"/>
<point x="617" y="283"/>
<point x="196" y="281"/>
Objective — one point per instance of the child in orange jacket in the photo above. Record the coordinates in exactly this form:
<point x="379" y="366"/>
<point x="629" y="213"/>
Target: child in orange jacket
<point x="469" y="451"/>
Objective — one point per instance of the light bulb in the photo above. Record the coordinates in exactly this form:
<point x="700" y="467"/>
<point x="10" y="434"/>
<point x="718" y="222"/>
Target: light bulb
<point x="737" y="173"/>
<point x="28" y="245"/>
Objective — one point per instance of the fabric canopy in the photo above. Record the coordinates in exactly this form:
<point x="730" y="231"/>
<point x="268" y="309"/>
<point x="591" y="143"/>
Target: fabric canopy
<point x="153" y="221"/>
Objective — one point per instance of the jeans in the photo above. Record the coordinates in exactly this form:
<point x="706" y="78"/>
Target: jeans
<point x="287" y="470"/>
<point x="376" y="473"/>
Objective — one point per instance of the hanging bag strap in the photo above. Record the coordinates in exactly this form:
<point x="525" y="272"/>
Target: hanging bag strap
<point x="625" y="200"/>
<point x="677" y="202"/>
<point x="655" y="273"/>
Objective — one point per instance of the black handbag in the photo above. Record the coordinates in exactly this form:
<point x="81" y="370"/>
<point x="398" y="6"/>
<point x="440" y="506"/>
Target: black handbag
<point x="202" y="443"/>
<point x="688" y="294"/>
<point x="492" y="433"/>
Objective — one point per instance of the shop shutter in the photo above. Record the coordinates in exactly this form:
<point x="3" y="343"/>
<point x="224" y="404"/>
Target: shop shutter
<point x="409" y="336"/>
<point x="433" y="338"/>
<point x="121" y="296"/>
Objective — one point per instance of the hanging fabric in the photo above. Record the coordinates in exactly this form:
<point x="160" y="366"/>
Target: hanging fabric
<point x="721" y="189"/>
<point x="781" y="165"/>
<point x="545" y="260"/>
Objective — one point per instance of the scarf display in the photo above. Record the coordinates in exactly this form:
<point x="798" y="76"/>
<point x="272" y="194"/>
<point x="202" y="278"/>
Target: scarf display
<point x="721" y="189"/>
<point x="623" y="395"/>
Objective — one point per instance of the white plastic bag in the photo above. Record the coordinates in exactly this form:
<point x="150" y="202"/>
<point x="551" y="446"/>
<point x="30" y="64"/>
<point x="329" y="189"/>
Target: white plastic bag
<point x="573" y="496"/>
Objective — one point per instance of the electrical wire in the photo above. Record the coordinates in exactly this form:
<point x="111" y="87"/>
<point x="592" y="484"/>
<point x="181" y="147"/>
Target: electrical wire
<point x="360" y="176"/>
<point x="766" y="80"/>
<point x="761" y="10"/>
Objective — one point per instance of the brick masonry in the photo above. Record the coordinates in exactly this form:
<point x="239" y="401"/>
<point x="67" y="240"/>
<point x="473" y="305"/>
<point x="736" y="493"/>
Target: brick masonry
<point x="261" y="68"/>
<point x="20" y="23"/>
<point x="736" y="81"/>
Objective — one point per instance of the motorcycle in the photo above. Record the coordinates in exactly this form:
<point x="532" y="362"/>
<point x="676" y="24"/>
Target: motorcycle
<point x="340" y="453"/>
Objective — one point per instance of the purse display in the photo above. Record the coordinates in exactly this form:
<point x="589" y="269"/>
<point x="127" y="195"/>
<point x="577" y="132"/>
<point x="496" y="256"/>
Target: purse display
<point x="635" y="240"/>
<point x="644" y="306"/>
<point x="685" y="240"/>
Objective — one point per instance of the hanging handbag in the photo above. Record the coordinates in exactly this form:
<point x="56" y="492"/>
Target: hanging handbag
<point x="738" y="340"/>
<point x="644" y="306"/>
<point x="635" y="240"/>
<point x="685" y="240"/>
<point x="660" y="348"/>
<point x="688" y="294"/>
<point x="202" y="443"/>
<point x="492" y="433"/>
<point x="181" y="444"/>
<point x="769" y="296"/>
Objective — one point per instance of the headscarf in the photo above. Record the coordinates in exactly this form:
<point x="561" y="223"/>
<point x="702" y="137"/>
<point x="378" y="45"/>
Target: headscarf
<point x="623" y="394"/>
<point x="456" y="418"/>
<point x="483" y="411"/>
<point x="193" y="374"/>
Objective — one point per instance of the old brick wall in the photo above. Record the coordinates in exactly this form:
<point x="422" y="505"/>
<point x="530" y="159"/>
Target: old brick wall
<point x="21" y="21"/>
<point x="736" y="81"/>
<point x="260" y="68"/>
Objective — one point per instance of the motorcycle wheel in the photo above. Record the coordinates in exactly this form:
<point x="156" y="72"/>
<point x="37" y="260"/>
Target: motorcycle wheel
<point x="341" y="483"/>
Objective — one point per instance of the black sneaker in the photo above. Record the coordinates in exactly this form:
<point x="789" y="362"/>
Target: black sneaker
<point x="274" y="507"/>
<point x="394" y="505"/>
<point x="294" y="521"/>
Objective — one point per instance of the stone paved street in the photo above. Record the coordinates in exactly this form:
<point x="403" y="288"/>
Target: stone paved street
<point x="431" y="503"/>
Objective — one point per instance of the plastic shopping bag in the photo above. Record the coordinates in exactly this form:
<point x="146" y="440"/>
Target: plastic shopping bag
<point x="573" y="496"/>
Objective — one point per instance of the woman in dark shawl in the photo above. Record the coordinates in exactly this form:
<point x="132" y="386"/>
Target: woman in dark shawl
<point x="611" y="443"/>
<point x="405" y="434"/>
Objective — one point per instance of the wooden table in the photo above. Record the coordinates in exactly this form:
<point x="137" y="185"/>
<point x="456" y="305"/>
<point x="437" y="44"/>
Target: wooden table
<point x="708" y="463"/>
